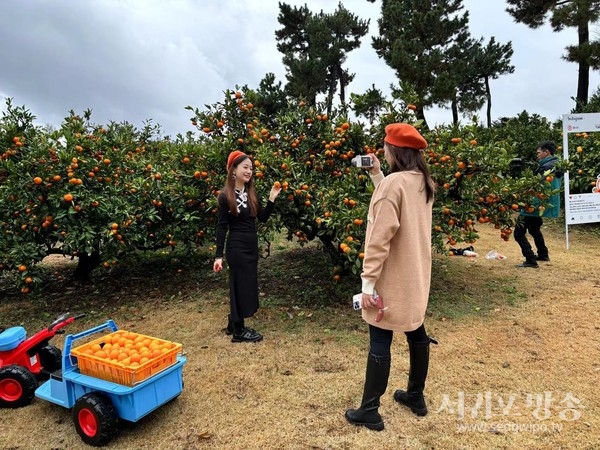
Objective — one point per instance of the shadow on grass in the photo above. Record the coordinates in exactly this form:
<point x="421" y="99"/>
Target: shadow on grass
<point x="460" y="289"/>
<point x="293" y="281"/>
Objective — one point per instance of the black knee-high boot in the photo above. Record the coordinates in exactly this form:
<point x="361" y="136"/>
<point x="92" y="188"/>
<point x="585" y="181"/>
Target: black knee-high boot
<point x="419" y="365"/>
<point x="376" y="380"/>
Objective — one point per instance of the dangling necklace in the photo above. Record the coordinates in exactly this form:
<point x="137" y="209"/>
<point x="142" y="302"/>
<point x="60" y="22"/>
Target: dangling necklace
<point x="241" y="198"/>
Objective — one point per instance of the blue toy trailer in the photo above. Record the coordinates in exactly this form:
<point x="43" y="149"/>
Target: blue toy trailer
<point x="96" y="404"/>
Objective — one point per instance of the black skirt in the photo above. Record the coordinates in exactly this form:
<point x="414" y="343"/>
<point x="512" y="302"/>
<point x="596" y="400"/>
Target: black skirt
<point x="242" y="258"/>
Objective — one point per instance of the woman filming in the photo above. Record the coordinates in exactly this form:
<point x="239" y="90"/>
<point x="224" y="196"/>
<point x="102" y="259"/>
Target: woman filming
<point x="397" y="272"/>
<point x="237" y="238"/>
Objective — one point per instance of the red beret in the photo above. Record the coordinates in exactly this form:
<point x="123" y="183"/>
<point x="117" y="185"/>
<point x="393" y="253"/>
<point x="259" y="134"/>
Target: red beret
<point x="233" y="156"/>
<point x="405" y="136"/>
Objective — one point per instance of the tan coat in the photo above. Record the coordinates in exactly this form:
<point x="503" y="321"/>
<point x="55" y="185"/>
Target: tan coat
<point x="397" y="261"/>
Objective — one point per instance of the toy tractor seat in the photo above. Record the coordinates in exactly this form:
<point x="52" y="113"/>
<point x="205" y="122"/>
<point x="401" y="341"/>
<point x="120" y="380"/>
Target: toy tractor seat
<point x="10" y="338"/>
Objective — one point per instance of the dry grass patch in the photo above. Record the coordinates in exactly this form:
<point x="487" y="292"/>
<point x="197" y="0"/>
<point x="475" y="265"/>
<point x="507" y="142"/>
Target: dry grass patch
<point x="504" y="332"/>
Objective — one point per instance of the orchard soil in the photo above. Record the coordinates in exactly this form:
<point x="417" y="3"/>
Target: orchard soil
<point x="517" y="365"/>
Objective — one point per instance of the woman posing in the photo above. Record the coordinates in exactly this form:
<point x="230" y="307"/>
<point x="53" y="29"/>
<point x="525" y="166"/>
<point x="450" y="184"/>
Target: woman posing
<point x="237" y="239"/>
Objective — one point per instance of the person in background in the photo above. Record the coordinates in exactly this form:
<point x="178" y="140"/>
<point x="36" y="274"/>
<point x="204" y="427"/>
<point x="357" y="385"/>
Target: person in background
<point x="237" y="238"/>
<point x="532" y="222"/>
<point x="397" y="272"/>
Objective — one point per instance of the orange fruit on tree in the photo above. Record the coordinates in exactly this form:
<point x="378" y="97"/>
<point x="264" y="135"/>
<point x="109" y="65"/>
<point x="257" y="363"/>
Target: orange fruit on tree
<point x="22" y="268"/>
<point x="38" y="180"/>
<point x="68" y="198"/>
<point x="277" y="185"/>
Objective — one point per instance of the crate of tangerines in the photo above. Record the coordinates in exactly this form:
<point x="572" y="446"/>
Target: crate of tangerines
<point x="125" y="358"/>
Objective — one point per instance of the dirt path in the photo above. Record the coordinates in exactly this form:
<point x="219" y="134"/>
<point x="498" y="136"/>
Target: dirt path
<point x="523" y="376"/>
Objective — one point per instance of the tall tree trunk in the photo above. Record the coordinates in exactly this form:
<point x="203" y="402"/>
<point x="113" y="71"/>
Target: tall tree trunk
<point x="342" y="89"/>
<point x="330" y="93"/>
<point x="420" y="113"/>
<point x="583" y="79"/>
<point x="454" y="108"/>
<point x="488" y="94"/>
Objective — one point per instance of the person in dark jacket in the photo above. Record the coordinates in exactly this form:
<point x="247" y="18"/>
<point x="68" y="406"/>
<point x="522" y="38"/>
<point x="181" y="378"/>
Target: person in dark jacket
<point x="237" y="239"/>
<point x="532" y="222"/>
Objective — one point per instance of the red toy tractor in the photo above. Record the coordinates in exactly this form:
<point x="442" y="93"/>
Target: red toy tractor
<point x="24" y="362"/>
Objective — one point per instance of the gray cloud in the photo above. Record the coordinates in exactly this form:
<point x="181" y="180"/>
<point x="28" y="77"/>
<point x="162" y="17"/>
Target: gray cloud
<point x="132" y="60"/>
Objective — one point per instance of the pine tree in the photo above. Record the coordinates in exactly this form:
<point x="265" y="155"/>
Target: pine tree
<point x="563" y="14"/>
<point x="315" y="47"/>
<point x="422" y="41"/>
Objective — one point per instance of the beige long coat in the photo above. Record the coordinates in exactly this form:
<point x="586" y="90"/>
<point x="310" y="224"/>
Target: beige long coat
<point x="397" y="261"/>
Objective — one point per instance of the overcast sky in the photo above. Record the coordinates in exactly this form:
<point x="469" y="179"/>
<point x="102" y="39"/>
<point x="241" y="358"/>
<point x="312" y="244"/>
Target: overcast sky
<point x="133" y="60"/>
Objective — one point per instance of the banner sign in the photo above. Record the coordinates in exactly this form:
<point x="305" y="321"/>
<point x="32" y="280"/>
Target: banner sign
<point x="580" y="208"/>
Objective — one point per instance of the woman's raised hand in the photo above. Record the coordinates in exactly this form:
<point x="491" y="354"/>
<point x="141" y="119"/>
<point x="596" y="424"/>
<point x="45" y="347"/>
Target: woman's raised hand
<point x="376" y="164"/>
<point x="275" y="190"/>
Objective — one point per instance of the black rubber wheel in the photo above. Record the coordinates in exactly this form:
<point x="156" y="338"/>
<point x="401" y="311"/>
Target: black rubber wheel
<point x="17" y="386"/>
<point x="50" y="358"/>
<point x="95" y="419"/>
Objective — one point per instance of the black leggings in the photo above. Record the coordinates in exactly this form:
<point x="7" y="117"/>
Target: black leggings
<point x="381" y="340"/>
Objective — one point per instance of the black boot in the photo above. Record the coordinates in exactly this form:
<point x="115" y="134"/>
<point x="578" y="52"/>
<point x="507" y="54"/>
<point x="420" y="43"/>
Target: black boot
<point x="376" y="380"/>
<point x="419" y="364"/>
<point x="228" y="330"/>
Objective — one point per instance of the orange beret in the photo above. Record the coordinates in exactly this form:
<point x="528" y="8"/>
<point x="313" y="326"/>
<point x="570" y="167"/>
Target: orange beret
<point x="233" y="156"/>
<point x="405" y="136"/>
